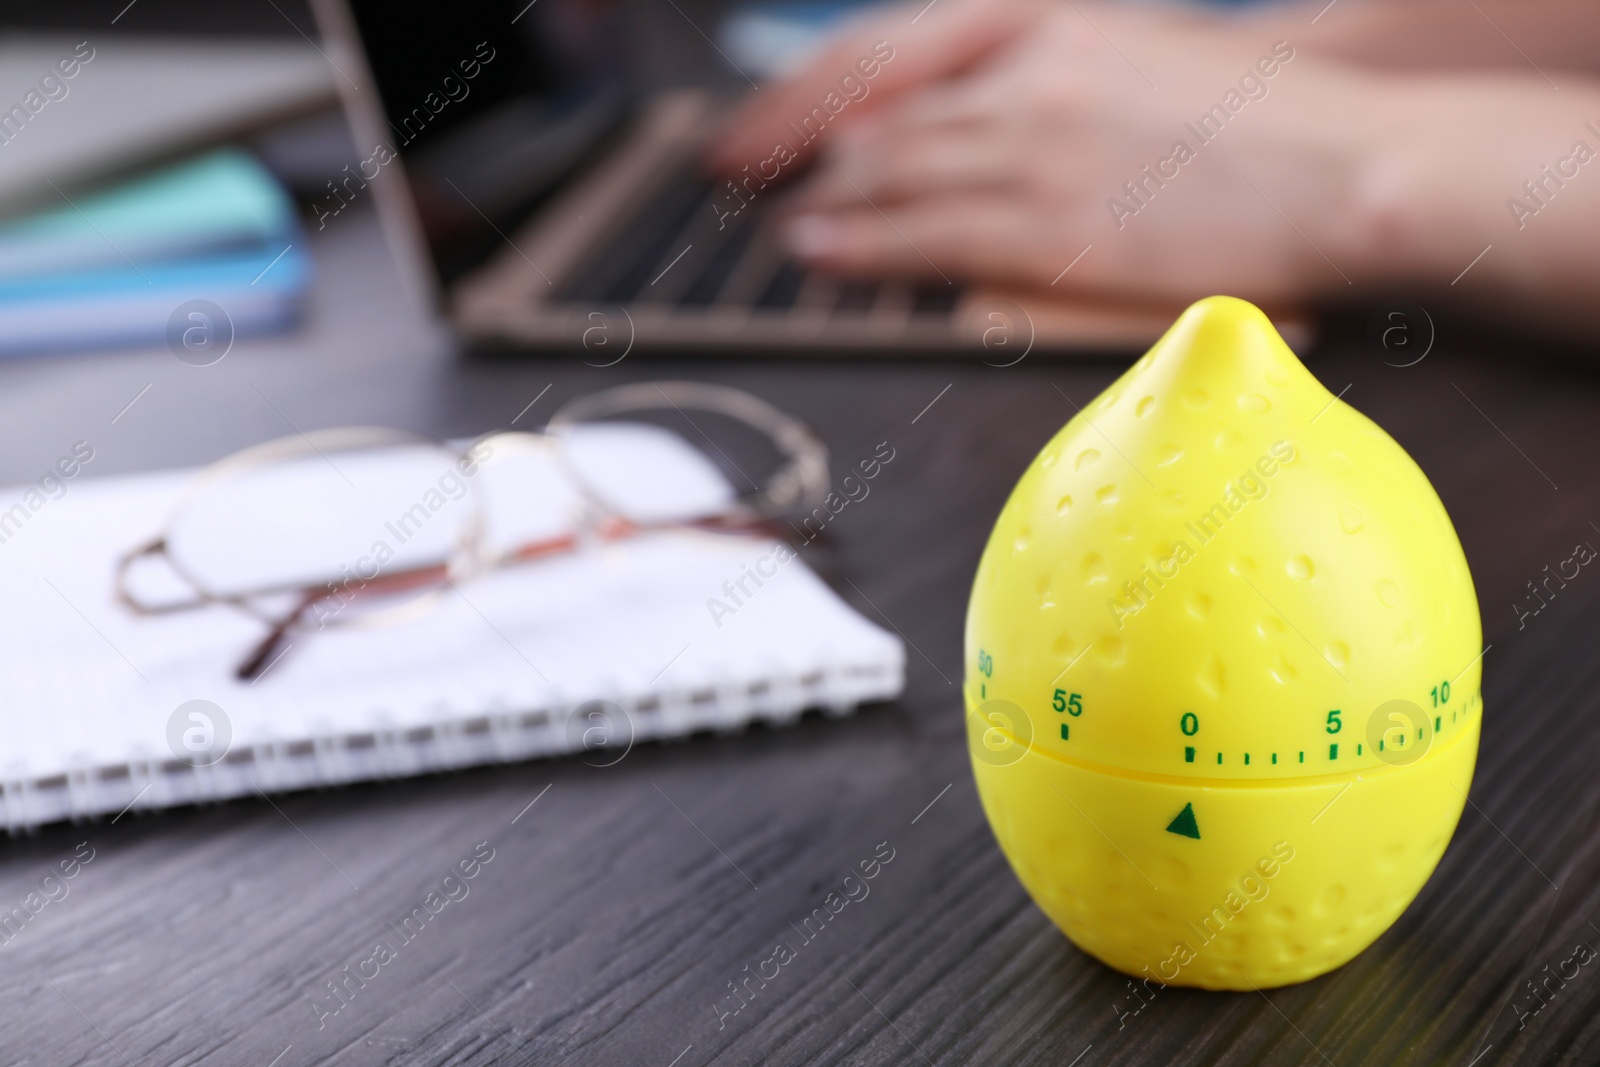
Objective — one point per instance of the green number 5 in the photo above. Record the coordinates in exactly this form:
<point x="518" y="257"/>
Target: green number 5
<point x="1334" y="724"/>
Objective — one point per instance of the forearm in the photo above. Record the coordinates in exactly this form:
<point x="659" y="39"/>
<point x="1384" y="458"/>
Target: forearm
<point x="1488" y="190"/>
<point x="1553" y="36"/>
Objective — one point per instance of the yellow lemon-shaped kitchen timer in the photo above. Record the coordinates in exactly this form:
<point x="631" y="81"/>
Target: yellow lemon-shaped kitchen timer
<point x="1223" y="660"/>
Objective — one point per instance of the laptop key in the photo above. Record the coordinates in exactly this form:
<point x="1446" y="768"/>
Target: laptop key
<point x="658" y="253"/>
<point x="701" y="241"/>
<point x="713" y="277"/>
<point x="762" y="257"/>
<point x="623" y="263"/>
<point x="856" y="297"/>
<point x="933" y="299"/>
<point x="785" y="286"/>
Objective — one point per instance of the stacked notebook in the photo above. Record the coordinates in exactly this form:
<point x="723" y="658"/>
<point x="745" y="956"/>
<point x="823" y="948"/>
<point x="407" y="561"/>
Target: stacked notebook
<point x="111" y="267"/>
<point x="509" y="667"/>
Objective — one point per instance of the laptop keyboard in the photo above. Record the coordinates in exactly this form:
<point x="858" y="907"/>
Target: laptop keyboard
<point x="674" y="252"/>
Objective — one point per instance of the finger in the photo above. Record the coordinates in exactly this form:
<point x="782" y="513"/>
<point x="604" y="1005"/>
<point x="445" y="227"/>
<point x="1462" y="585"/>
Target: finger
<point x="986" y="92"/>
<point x="946" y="238"/>
<point x="938" y="137"/>
<point x="904" y="49"/>
<point x="888" y="168"/>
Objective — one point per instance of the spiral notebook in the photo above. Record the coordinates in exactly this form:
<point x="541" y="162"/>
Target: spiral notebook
<point x="511" y="666"/>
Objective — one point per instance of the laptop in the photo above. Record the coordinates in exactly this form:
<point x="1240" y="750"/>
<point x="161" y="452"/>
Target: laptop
<point x="552" y="202"/>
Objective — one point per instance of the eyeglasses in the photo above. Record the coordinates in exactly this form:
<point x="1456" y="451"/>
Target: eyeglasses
<point x="365" y="526"/>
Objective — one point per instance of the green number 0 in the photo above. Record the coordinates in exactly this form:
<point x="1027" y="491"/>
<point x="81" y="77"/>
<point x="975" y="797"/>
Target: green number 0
<point x="1189" y="724"/>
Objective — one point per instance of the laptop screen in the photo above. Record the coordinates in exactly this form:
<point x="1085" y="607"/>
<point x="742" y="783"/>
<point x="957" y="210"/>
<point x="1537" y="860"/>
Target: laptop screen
<point x="490" y="107"/>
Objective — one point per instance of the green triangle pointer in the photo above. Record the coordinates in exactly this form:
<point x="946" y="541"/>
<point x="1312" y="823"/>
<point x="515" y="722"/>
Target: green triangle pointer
<point x="1184" y="824"/>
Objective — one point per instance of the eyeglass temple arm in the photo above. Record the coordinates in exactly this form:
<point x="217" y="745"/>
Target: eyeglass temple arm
<point x="261" y="656"/>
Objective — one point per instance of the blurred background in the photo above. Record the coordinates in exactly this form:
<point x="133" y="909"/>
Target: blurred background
<point x="1001" y="177"/>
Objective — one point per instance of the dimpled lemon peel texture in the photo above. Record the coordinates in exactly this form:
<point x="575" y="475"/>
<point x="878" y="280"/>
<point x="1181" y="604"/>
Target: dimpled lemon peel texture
<point x="1223" y="662"/>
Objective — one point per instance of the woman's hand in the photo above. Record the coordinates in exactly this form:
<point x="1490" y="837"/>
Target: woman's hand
<point x="1167" y="157"/>
<point x="930" y="42"/>
<point x="1185" y="157"/>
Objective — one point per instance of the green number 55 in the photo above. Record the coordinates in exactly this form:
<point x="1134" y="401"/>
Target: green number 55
<point x="1072" y="703"/>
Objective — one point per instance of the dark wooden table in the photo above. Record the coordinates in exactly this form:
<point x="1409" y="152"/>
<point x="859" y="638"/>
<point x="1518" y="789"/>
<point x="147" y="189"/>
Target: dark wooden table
<point x="616" y="910"/>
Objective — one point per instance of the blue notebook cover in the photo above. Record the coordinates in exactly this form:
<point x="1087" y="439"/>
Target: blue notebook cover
<point x="112" y="266"/>
<point x="224" y="198"/>
<point x="133" y="306"/>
